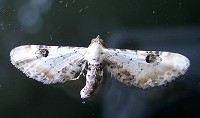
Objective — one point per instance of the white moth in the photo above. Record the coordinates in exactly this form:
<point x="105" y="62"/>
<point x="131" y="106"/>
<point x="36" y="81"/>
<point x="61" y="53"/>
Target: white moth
<point x="52" y="64"/>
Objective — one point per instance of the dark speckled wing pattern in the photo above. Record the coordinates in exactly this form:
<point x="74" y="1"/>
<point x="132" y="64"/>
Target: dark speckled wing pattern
<point x="48" y="64"/>
<point x="145" y="68"/>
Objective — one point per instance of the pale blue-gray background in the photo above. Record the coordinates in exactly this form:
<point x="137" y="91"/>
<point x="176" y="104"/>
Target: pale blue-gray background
<point x="134" y="24"/>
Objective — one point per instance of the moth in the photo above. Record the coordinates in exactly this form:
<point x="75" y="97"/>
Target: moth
<point x="57" y="64"/>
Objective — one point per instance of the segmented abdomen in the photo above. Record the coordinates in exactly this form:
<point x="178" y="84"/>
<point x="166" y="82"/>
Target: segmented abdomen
<point x="93" y="79"/>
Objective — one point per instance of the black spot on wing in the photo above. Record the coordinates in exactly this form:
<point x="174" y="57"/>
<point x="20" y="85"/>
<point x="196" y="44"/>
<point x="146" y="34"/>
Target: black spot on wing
<point x="153" y="57"/>
<point x="44" y="52"/>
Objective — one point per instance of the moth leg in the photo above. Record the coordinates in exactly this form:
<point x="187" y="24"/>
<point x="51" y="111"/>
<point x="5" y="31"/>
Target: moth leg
<point x="84" y="74"/>
<point x="83" y="67"/>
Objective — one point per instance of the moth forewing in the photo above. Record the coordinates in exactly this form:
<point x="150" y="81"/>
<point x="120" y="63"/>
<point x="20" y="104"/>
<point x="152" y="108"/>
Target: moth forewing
<point x="48" y="64"/>
<point x="145" y="69"/>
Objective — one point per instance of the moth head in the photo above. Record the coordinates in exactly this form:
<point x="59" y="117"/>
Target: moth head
<point x="97" y="40"/>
